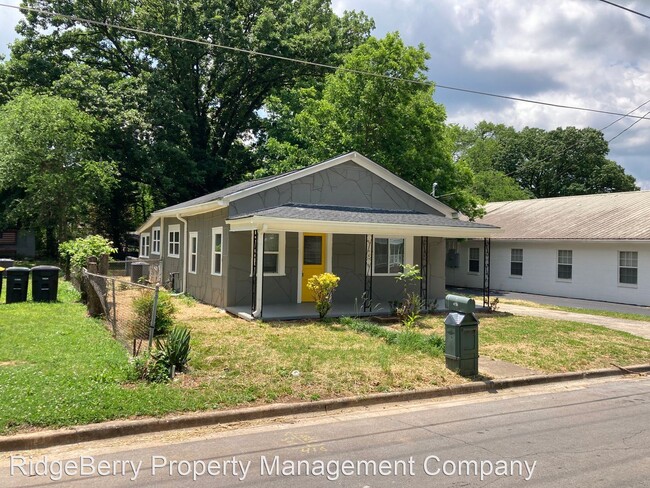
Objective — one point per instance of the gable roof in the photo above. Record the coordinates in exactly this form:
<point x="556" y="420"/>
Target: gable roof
<point x="222" y="198"/>
<point x="605" y="216"/>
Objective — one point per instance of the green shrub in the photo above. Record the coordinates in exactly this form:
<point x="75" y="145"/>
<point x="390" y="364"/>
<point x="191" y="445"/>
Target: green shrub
<point x="77" y="251"/>
<point x="150" y="367"/>
<point x="408" y="340"/>
<point x="322" y="288"/>
<point x="143" y="307"/>
<point x="175" y="348"/>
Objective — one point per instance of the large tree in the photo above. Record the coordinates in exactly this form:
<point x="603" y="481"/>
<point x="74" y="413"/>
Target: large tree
<point x="180" y="116"/>
<point x="50" y="176"/>
<point x="559" y="162"/>
<point x="395" y="123"/>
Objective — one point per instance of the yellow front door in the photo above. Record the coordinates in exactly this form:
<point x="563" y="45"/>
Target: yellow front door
<point x="313" y="261"/>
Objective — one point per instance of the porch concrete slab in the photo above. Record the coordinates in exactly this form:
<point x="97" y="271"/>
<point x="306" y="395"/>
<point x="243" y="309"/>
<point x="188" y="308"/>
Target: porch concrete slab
<point x="635" y="327"/>
<point x="498" y="369"/>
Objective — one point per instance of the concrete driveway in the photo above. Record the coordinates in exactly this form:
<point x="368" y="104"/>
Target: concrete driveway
<point x="636" y="327"/>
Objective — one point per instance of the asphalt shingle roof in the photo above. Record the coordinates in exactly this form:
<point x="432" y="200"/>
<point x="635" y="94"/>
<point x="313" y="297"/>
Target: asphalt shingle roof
<point x="210" y="197"/>
<point x="605" y="216"/>
<point x="362" y="215"/>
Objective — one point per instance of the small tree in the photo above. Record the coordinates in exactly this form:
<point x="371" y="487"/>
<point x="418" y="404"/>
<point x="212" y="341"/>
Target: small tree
<point x="322" y="287"/>
<point x="408" y="311"/>
<point x="77" y="251"/>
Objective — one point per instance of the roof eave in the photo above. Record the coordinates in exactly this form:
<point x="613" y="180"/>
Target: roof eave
<point x="276" y="224"/>
<point x="182" y="212"/>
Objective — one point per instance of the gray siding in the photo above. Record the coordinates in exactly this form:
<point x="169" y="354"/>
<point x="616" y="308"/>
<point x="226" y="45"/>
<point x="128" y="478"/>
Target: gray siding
<point x="345" y="184"/>
<point x="203" y="285"/>
<point x="239" y="269"/>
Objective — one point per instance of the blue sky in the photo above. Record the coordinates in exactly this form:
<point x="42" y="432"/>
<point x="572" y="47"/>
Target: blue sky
<point x="574" y="52"/>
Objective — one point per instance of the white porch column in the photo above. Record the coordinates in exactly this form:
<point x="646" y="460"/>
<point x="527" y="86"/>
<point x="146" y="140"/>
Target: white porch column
<point x="260" y="272"/>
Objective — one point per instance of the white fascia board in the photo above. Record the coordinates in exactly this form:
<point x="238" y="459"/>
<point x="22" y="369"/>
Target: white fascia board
<point x="183" y="212"/>
<point x="362" y="161"/>
<point x="335" y="227"/>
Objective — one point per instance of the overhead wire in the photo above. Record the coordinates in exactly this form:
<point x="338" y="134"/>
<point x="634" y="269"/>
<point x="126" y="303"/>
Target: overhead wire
<point x="251" y="52"/>
<point x="626" y="8"/>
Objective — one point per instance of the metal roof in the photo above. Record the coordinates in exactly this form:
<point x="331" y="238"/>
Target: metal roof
<point x="605" y="216"/>
<point x="360" y="215"/>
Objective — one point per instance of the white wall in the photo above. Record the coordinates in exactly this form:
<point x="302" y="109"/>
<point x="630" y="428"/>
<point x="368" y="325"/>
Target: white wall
<point x="595" y="270"/>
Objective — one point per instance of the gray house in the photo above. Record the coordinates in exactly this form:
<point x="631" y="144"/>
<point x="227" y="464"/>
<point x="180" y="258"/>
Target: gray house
<point x="251" y="248"/>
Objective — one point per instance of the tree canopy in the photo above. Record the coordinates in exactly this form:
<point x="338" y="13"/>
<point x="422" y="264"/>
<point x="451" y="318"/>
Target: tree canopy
<point x="396" y="124"/>
<point x="559" y="162"/>
<point x="179" y="115"/>
<point x="49" y="170"/>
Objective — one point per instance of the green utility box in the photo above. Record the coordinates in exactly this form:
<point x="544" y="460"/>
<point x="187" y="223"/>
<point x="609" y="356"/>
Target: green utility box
<point x="45" y="283"/>
<point x="17" y="281"/>
<point x="461" y="335"/>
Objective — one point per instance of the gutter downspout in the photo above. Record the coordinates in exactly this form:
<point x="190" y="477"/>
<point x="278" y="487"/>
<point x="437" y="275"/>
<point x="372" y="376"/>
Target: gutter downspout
<point x="257" y="313"/>
<point x="185" y="249"/>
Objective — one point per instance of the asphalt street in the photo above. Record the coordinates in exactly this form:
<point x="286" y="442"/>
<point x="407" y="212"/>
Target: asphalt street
<point x="595" y="434"/>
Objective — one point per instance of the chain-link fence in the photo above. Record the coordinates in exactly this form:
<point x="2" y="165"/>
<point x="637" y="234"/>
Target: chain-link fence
<point x="128" y="308"/>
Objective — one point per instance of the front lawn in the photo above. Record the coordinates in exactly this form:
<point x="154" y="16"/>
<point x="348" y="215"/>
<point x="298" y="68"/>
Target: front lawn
<point x="553" y="345"/>
<point x="58" y="367"/>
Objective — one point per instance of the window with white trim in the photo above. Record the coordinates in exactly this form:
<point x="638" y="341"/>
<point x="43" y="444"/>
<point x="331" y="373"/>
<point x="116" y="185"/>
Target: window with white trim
<point x="193" y="255"/>
<point x="564" y="264"/>
<point x="174" y="241"/>
<point x="473" y="265"/>
<point x="155" y="240"/>
<point x="217" y="250"/>
<point x="516" y="262"/>
<point x="628" y="267"/>
<point x="144" y="245"/>
<point x="389" y="255"/>
<point x="273" y="261"/>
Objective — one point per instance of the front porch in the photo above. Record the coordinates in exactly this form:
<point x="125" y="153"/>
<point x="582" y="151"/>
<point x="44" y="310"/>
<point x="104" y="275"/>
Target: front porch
<point x="366" y="248"/>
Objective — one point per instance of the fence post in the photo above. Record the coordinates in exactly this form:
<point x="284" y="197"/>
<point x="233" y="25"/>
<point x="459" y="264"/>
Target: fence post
<point x="114" y="309"/>
<point x="93" y="300"/>
<point x="152" y="327"/>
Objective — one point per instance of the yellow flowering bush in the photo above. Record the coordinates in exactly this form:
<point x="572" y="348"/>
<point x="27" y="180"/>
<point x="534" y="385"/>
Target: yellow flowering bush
<point x="322" y="287"/>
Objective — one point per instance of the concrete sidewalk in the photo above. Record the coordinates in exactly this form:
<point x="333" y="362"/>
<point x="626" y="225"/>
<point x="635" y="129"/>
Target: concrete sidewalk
<point x="636" y="327"/>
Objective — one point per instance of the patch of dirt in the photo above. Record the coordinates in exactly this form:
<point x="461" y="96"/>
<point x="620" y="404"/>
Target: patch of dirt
<point x="188" y="311"/>
<point x="12" y="363"/>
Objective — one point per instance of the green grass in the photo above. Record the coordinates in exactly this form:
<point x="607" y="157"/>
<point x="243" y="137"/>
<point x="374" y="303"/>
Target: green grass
<point x="58" y="367"/>
<point x="588" y="311"/>
<point x="554" y="345"/>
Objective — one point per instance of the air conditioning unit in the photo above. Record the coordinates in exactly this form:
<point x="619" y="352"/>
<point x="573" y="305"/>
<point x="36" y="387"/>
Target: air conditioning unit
<point x="453" y="259"/>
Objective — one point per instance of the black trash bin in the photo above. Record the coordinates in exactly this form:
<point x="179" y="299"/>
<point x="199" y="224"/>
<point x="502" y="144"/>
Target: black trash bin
<point x="139" y="270"/>
<point x="17" y="281"/>
<point x="45" y="283"/>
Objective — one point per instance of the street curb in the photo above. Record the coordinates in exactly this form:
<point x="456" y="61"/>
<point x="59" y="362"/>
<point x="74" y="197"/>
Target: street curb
<point x="120" y="428"/>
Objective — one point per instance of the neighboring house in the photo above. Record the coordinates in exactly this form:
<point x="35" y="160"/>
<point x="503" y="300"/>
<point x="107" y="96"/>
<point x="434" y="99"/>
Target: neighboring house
<point x="252" y="247"/>
<point x="595" y="247"/>
<point x="17" y="243"/>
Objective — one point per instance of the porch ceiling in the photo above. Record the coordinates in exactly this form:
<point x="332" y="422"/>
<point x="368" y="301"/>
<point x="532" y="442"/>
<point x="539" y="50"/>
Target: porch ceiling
<point x="357" y="220"/>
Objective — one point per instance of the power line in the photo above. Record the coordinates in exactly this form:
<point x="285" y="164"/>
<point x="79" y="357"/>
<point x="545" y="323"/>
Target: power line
<point x="628" y="128"/>
<point x="311" y="63"/>
<point x="625" y="8"/>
